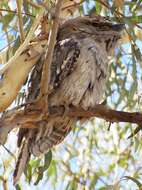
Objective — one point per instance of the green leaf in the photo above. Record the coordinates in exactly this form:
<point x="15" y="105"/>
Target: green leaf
<point x="47" y="160"/>
<point x="6" y="20"/>
<point x="132" y="91"/>
<point x="73" y="185"/>
<point x="35" y="163"/>
<point x="28" y="173"/>
<point x="94" y="180"/>
<point x="52" y="171"/>
<point x="42" y="169"/>
<point x="139" y="128"/>
<point x="18" y="187"/>
<point x="98" y="7"/>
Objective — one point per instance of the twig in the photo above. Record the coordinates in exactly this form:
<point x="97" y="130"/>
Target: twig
<point x="4" y="181"/>
<point x="15" y="12"/>
<point x="19" y="6"/>
<point x="49" y="55"/>
<point x="73" y="5"/>
<point x="9" y="151"/>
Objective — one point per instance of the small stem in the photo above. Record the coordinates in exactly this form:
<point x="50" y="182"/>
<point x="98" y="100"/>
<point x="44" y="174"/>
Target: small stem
<point x="19" y="6"/>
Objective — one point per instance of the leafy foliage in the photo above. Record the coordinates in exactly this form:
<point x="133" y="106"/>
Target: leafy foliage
<point x="91" y="157"/>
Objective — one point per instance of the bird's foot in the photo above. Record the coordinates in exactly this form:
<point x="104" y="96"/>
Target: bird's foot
<point x="66" y="110"/>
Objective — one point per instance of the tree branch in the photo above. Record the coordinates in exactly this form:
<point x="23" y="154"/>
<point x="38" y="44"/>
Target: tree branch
<point x="99" y="111"/>
<point x="20" y="117"/>
<point x="16" y="70"/>
<point x="15" y="73"/>
<point x="49" y="55"/>
<point x="32" y="118"/>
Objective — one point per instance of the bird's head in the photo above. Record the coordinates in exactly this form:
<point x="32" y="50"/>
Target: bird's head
<point x="98" y="28"/>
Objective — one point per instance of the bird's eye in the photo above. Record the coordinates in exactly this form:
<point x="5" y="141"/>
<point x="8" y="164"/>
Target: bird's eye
<point x="100" y="27"/>
<point x="103" y="28"/>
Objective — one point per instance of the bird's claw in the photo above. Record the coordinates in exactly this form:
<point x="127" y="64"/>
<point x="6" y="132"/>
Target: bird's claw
<point x="66" y="110"/>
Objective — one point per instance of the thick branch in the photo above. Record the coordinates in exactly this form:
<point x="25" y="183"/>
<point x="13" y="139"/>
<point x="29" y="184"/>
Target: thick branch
<point x="31" y="118"/>
<point x="14" y="76"/>
<point x="19" y="117"/>
<point x="106" y="113"/>
<point x="15" y="71"/>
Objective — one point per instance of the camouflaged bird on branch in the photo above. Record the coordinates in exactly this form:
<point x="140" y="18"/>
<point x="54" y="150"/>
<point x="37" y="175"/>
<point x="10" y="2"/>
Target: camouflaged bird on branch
<point x="79" y="71"/>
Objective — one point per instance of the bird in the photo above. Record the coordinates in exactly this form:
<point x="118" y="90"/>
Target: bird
<point x="79" y="72"/>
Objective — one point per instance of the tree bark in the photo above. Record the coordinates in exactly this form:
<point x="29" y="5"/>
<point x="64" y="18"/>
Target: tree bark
<point x="31" y="118"/>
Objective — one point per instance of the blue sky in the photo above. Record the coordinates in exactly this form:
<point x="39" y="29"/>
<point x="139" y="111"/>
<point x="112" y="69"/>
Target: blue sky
<point x="3" y="42"/>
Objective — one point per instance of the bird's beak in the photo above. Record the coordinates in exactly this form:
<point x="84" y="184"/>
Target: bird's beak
<point x="118" y="27"/>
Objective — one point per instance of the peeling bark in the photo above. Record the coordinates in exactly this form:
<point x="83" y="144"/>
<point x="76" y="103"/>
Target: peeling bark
<point x="14" y="75"/>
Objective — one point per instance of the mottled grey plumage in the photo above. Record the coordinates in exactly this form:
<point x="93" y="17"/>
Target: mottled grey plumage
<point x="78" y="76"/>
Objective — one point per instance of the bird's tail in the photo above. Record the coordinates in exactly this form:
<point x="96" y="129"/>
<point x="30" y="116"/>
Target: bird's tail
<point x="50" y="135"/>
<point x="23" y="157"/>
<point x="39" y="140"/>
